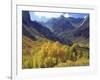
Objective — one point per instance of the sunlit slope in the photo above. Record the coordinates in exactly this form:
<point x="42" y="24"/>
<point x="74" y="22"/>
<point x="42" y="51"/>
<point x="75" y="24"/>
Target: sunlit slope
<point x="44" y="53"/>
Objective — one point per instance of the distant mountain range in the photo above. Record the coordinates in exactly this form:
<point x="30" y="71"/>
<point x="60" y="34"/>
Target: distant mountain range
<point x="62" y="29"/>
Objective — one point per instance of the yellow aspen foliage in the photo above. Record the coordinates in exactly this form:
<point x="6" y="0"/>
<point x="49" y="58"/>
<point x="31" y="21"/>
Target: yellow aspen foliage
<point x="54" y="54"/>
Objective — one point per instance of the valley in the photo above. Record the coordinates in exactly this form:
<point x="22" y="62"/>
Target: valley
<point x="58" y="42"/>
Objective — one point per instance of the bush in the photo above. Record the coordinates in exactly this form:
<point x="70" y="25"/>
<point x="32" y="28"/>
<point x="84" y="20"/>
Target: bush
<point x="46" y="53"/>
<point x="51" y="54"/>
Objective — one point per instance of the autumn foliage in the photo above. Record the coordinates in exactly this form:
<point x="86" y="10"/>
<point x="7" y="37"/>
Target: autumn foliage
<point x="46" y="53"/>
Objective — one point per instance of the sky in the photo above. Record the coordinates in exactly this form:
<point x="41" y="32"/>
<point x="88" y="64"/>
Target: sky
<point x="44" y="16"/>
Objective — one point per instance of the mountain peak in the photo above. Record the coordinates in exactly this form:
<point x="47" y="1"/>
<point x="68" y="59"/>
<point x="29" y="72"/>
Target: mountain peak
<point x="62" y="16"/>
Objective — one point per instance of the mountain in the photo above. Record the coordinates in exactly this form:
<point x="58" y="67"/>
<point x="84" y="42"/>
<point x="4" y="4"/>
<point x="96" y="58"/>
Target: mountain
<point x="66" y="27"/>
<point x="64" y="23"/>
<point x="62" y="29"/>
<point x="59" y="24"/>
<point x="83" y="30"/>
<point x="35" y="30"/>
<point x="76" y="22"/>
<point x="70" y="28"/>
<point x="26" y="25"/>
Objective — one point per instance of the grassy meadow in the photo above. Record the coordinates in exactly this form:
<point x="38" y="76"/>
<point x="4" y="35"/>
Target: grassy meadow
<point x="44" y="53"/>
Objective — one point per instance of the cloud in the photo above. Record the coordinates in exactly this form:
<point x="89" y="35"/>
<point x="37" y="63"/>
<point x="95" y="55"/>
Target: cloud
<point x="44" y="16"/>
<point x="66" y="15"/>
<point x="47" y="14"/>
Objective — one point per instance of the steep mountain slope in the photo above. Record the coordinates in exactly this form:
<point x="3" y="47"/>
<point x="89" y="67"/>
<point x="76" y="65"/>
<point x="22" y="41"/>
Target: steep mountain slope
<point x="70" y="28"/>
<point x="83" y="30"/>
<point x="76" y="22"/>
<point x="59" y="24"/>
<point x="35" y="30"/>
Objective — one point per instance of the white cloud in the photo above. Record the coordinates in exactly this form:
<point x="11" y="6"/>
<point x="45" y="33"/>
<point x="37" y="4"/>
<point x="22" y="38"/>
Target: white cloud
<point x="66" y="15"/>
<point x="44" y="16"/>
<point x="47" y="14"/>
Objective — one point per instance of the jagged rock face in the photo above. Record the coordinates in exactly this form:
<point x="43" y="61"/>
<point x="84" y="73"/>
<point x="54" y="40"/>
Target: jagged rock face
<point x="26" y="17"/>
<point x="26" y="25"/>
<point x="69" y="29"/>
<point x="29" y="26"/>
<point x="60" y="24"/>
<point x="83" y="30"/>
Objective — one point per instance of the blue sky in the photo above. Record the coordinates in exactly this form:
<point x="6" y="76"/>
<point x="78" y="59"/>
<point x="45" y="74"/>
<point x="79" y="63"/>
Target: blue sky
<point x="44" y="16"/>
